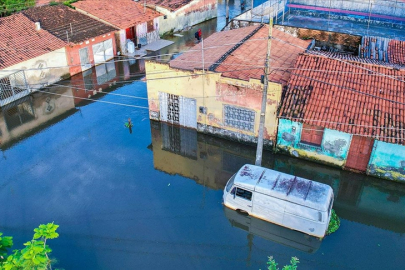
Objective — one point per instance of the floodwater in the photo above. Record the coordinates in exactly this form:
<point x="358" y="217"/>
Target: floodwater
<point x="152" y="199"/>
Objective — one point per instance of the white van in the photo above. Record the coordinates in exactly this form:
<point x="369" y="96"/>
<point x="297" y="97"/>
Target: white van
<point x="280" y="198"/>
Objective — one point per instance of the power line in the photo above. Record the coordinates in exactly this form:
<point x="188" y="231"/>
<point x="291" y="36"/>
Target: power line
<point x="95" y="100"/>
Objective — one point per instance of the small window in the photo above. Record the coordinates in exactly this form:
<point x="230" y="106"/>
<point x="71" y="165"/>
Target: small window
<point x="244" y="194"/>
<point x="233" y="191"/>
<point x="230" y="183"/>
<point x="312" y="135"/>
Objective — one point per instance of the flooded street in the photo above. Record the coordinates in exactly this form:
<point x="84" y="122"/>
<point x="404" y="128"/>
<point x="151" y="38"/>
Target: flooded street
<point x="152" y="199"/>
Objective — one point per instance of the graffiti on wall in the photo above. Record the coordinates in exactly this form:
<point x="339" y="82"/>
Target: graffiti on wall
<point x="336" y="143"/>
<point x="387" y="161"/>
<point x="333" y="149"/>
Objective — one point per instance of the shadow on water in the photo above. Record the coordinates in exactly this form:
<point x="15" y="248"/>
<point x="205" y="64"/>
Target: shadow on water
<point x="212" y="161"/>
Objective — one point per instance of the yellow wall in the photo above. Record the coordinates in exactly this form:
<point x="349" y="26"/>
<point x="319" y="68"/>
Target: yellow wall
<point x="213" y="91"/>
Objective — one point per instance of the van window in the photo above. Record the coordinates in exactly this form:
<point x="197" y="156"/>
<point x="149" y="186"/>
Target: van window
<point x="330" y="205"/>
<point x="230" y="183"/>
<point x="244" y="194"/>
<point x="233" y="191"/>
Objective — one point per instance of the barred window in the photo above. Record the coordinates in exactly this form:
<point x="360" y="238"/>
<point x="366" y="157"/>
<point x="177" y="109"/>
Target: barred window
<point x="239" y="118"/>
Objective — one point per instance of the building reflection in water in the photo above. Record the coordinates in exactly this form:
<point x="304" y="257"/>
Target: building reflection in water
<point x="212" y="161"/>
<point x="25" y="117"/>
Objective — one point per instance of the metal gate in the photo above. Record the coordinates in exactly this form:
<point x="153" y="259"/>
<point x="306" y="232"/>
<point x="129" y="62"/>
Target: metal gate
<point x="13" y="87"/>
<point x="84" y="58"/>
<point x="103" y="51"/>
<point x="178" y="110"/>
<point x="359" y="153"/>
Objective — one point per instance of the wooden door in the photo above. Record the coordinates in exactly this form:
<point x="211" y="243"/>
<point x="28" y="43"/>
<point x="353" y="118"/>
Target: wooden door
<point x="130" y="33"/>
<point x="359" y="153"/>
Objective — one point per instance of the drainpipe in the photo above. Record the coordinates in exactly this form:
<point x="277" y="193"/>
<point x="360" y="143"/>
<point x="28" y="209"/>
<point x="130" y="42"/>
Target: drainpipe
<point x="259" y="150"/>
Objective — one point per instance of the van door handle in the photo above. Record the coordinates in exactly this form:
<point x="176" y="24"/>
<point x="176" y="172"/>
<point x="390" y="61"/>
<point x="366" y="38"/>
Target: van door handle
<point x="249" y="206"/>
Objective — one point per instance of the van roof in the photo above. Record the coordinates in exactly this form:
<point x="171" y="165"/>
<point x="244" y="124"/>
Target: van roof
<point x="285" y="186"/>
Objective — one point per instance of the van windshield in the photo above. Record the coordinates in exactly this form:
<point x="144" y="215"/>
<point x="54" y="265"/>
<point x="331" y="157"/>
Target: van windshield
<point x="230" y="183"/>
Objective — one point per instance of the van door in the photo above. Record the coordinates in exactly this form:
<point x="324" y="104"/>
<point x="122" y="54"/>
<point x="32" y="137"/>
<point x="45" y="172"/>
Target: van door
<point x="243" y="199"/>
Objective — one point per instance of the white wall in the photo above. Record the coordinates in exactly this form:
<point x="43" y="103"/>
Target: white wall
<point x="386" y="7"/>
<point x="54" y="68"/>
<point x="191" y="14"/>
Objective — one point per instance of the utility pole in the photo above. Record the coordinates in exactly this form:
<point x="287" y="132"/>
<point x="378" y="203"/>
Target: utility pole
<point x="259" y="150"/>
<point x="227" y="11"/>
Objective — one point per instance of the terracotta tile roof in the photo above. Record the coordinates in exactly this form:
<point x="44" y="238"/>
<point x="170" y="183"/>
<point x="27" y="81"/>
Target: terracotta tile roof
<point x="215" y="46"/>
<point x="121" y="13"/>
<point x="171" y="5"/>
<point x="348" y="97"/>
<point x="284" y="50"/>
<point x="352" y="58"/>
<point x="396" y="52"/>
<point x="68" y="24"/>
<point x="19" y="41"/>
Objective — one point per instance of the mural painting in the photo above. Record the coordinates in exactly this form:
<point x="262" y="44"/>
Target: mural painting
<point x="387" y="161"/>
<point x="333" y="149"/>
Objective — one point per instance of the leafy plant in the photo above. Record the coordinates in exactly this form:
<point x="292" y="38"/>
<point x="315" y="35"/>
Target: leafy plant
<point x="35" y="255"/>
<point x="334" y="223"/>
<point x="8" y="7"/>
<point x="5" y="243"/>
<point x="272" y="265"/>
<point x="69" y="3"/>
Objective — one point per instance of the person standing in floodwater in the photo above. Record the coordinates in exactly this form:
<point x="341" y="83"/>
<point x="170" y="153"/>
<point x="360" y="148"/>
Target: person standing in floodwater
<point x="129" y="125"/>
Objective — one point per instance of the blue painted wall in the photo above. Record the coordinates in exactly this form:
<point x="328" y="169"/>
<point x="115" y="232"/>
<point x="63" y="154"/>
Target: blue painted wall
<point x="333" y="150"/>
<point x="387" y="161"/>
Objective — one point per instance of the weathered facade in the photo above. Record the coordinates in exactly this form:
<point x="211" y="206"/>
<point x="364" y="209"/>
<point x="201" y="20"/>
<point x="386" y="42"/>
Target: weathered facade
<point x="350" y="115"/>
<point x="31" y="58"/>
<point x="211" y="103"/>
<point x="181" y="15"/>
<point x="220" y="93"/>
<point x="43" y="70"/>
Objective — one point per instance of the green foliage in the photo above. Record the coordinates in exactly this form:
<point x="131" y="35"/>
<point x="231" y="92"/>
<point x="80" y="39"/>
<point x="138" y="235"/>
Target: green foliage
<point x="53" y="3"/>
<point x="334" y="223"/>
<point x="5" y="243"/>
<point x="47" y="231"/>
<point x="8" y="7"/>
<point x="70" y="2"/>
<point x="35" y="254"/>
<point x="272" y="265"/>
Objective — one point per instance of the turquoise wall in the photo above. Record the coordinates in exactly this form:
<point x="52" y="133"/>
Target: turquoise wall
<point x="387" y="161"/>
<point x="333" y="150"/>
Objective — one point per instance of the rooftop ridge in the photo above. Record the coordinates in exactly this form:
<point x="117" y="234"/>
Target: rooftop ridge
<point x="234" y="48"/>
